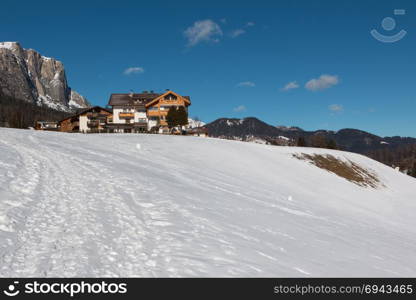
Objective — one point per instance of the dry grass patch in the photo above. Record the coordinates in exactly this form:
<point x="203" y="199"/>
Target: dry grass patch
<point x="345" y="169"/>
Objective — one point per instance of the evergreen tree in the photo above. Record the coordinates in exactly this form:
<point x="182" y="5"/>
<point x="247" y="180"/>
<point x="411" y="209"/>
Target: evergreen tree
<point x="331" y="144"/>
<point x="413" y="173"/>
<point x="17" y="113"/>
<point x="182" y="116"/>
<point x="301" y="142"/>
<point x="172" y="117"/>
<point x="318" y="141"/>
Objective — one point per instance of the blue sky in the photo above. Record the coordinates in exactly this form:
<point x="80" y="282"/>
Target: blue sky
<point x="235" y="58"/>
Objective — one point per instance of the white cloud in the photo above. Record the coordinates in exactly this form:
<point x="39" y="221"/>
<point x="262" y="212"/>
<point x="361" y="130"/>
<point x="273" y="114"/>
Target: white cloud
<point x="247" y="84"/>
<point x="321" y="83"/>
<point x="133" y="70"/>
<point x="240" y="108"/>
<point x="336" y="107"/>
<point x="203" y="31"/>
<point x="237" y="32"/>
<point x="290" y="86"/>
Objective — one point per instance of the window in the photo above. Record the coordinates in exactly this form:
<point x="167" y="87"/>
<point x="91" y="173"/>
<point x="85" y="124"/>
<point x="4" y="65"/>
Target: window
<point x="167" y="107"/>
<point x="153" y="108"/>
<point x="170" y="97"/>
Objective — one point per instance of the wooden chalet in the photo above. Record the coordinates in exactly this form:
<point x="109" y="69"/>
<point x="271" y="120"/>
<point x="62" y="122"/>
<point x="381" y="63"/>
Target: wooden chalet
<point x="89" y="120"/>
<point x="143" y="112"/>
<point x="198" y="131"/>
<point x="46" y="125"/>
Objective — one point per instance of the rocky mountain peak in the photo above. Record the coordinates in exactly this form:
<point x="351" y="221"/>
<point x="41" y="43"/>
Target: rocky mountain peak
<point x="27" y="75"/>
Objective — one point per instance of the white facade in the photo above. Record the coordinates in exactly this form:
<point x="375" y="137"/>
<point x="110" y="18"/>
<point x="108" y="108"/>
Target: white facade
<point x="116" y="114"/>
<point x="83" y="123"/>
<point x="139" y="115"/>
<point x="151" y="123"/>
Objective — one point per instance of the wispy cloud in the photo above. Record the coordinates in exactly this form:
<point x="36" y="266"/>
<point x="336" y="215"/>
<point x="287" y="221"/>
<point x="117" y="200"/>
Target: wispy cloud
<point x="223" y="20"/>
<point x="336" y="108"/>
<point x="239" y="108"/>
<point x="240" y="31"/>
<point x="237" y="32"/>
<point x="246" y="84"/>
<point x="322" y="83"/>
<point x="203" y="31"/>
<point x="133" y="70"/>
<point x="290" y="86"/>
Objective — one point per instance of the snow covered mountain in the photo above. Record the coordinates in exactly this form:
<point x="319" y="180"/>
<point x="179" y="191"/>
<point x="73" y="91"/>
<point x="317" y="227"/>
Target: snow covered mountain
<point x="29" y="76"/>
<point x="155" y="205"/>
<point x="195" y="123"/>
<point x="348" y="139"/>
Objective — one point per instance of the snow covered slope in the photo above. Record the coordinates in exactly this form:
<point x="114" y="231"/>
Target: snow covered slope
<point x="153" y="205"/>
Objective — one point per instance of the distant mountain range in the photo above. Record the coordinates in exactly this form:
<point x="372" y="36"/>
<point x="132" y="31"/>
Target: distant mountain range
<point x="27" y="75"/>
<point x="353" y="140"/>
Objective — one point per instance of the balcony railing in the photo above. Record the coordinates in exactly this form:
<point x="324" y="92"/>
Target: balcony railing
<point x="93" y="123"/>
<point x="96" y="115"/>
<point x="126" y="115"/>
<point x="140" y="124"/>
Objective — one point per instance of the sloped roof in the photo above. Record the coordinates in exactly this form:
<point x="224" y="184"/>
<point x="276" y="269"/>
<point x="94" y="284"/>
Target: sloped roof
<point x="130" y="99"/>
<point x="187" y="98"/>
<point x="134" y="99"/>
<point x="198" y="130"/>
<point x="83" y="111"/>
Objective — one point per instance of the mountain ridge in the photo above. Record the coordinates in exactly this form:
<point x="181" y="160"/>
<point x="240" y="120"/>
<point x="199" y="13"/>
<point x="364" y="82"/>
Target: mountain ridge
<point x="350" y="139"/>
<point x="27" y="75"/>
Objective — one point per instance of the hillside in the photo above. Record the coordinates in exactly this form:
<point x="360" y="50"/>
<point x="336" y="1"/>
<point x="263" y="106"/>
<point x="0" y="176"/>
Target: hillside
<point x="17" y="113"/>
<point x="393" y="151"/>
<point x="154" y="205"/>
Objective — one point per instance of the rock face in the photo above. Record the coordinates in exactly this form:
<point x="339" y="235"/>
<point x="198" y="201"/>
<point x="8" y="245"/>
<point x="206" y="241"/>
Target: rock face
<point x="29" y="76"/>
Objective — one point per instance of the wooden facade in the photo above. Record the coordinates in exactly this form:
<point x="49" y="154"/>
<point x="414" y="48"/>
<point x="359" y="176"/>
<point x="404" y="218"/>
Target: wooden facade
<point x="46" y="125"/>
<point x="143" y="112"/>
<point x="90" y="120"/>
<point x="159" y="107"/>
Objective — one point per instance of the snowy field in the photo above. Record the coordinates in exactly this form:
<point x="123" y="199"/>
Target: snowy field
<point x="152" y="205"/>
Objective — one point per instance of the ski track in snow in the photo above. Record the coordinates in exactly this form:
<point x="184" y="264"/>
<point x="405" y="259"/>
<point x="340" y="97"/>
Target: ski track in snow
<point x="148" y="205"/>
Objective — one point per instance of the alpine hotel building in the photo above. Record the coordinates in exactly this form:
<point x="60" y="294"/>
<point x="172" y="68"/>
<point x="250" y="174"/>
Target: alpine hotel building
<point x="142" y="112"/>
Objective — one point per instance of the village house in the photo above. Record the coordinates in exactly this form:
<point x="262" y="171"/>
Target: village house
<point x="89" y="120"/>
<point x="143" y="112"/>
<point x="198" y="131"/>
<point x="46" y="125"/>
